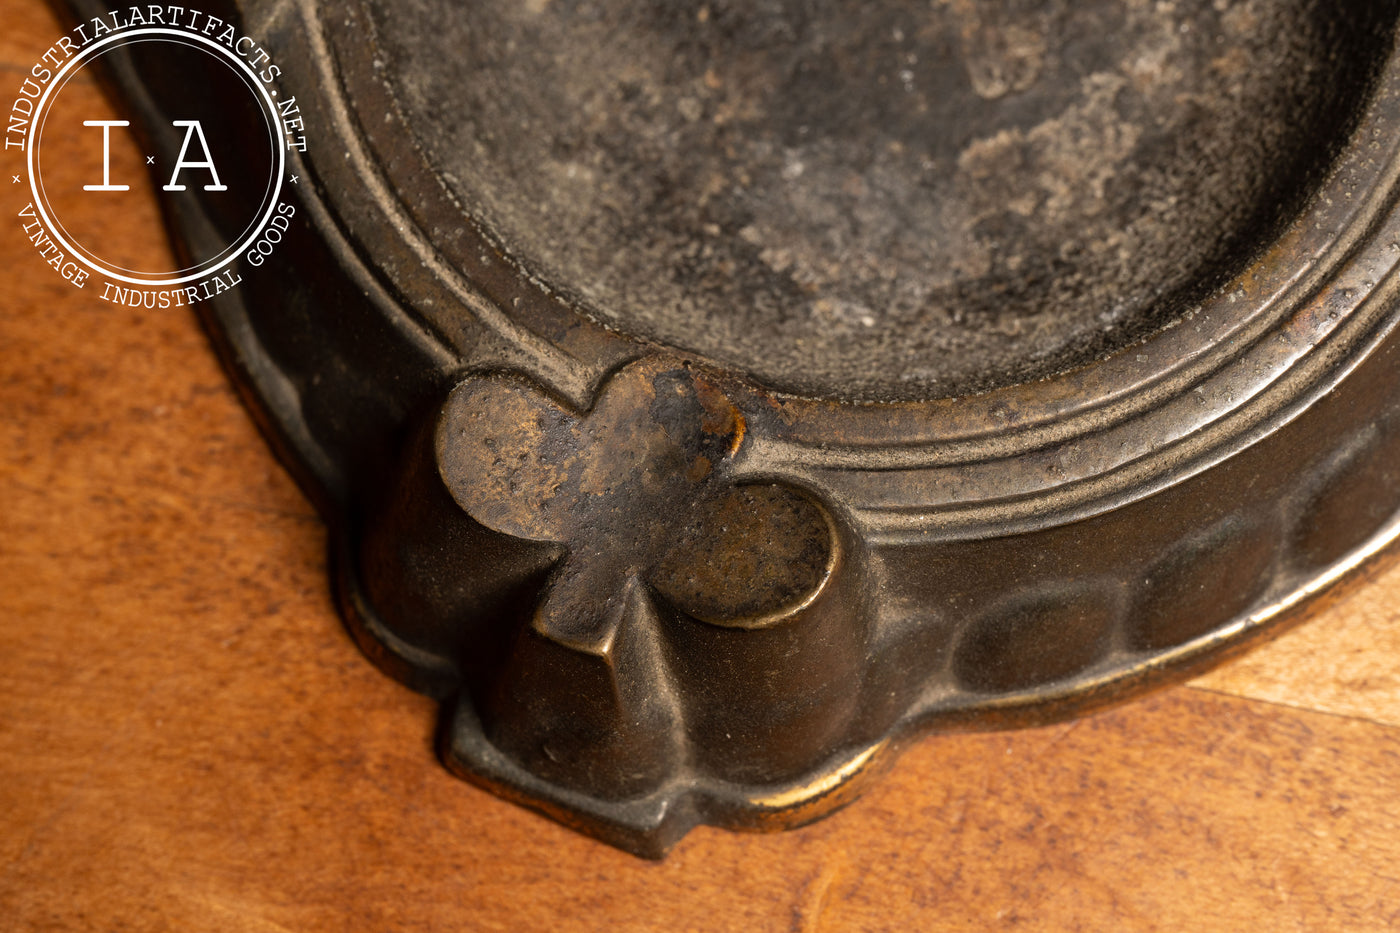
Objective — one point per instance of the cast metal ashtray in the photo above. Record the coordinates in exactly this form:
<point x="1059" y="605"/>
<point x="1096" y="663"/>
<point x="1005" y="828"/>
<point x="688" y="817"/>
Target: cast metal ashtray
<point x="706" y="396"/>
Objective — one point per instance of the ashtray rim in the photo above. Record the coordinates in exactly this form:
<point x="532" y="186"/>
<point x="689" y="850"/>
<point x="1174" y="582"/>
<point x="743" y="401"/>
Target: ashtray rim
<point x="1251" y="355"/>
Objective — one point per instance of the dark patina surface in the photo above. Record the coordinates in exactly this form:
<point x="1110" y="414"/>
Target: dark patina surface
<point x="888" y="199"/>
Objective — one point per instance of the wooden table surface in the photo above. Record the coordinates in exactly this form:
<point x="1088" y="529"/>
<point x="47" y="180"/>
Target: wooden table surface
<point x="189" y="741"/>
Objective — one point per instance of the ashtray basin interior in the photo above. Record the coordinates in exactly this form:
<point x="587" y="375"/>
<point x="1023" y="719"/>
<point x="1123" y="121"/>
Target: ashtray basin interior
<point x="880" y="200"/>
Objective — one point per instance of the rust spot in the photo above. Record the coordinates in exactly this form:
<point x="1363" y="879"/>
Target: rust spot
<point x="699" y="469"/>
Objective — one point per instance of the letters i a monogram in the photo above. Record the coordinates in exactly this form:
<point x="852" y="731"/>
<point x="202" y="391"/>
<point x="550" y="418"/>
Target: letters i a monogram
<point x="192" y="130"/>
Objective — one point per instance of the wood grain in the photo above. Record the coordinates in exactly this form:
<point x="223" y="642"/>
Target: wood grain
<point x="1345" y="662"/>
<point x="189" y="740"/>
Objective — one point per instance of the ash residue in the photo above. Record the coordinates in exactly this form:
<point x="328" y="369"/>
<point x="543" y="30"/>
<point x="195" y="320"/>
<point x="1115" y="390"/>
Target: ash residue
<point x="882" y="199"/>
